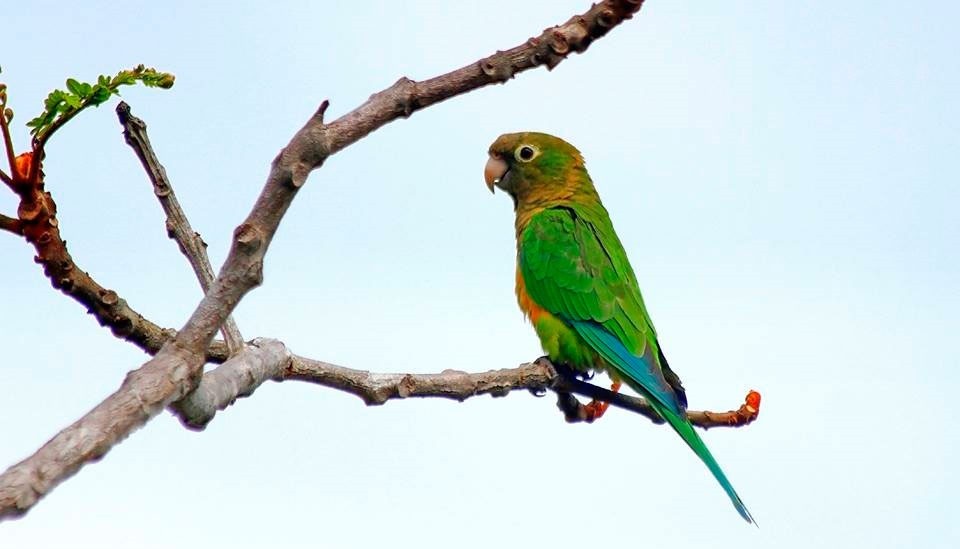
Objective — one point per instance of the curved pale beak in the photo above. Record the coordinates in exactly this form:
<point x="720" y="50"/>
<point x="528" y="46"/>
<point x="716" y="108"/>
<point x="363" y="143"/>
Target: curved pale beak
<point x="494" y="171"/>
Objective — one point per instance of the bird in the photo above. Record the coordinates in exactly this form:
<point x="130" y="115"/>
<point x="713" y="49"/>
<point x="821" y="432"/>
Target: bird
<point x="576" y="286"/>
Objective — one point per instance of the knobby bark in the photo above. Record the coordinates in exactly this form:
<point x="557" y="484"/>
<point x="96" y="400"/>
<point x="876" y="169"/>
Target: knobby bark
<point x="190" y="242"/>
<point x="174" y="376"/>
<point x="38" y="223"/>
<point x="270" y="359"/>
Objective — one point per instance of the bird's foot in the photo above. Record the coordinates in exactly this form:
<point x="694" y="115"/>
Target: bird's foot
<point x="596" y="408"/>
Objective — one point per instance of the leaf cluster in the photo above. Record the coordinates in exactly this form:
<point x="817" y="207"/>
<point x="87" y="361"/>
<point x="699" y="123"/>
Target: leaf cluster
<point x="61" y="105"/>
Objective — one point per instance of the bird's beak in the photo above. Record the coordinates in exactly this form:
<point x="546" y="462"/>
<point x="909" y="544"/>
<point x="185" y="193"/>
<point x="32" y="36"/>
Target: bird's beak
<point x="494" y="171"/>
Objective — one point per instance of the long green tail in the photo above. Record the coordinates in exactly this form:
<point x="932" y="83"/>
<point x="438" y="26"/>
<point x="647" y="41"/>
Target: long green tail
<point x="686" y="431"/>
<point x="643" y="375"/>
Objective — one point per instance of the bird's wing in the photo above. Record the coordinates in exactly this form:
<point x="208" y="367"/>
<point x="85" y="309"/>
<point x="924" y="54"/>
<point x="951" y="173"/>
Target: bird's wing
<point x="574" y="266"/>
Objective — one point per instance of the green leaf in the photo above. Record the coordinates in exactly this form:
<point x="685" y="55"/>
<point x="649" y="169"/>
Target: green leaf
<point x="60" y="105"/>
<point x="74" y="87"/>
<point x="53" y="100"/>
<point x="124" y="78"/>
<point x="100" y="94"/>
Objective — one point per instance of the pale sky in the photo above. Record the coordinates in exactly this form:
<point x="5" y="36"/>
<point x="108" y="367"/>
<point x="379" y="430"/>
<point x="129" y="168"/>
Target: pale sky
<point x="783" y="176"/>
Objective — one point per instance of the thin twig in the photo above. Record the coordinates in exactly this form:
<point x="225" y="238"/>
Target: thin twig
<point x="178" y="366"/>
<point x="40" y="140"/>
<point x="575" y="412"/>
<point x="8" y="148"/>
<point x="190" y="242"/>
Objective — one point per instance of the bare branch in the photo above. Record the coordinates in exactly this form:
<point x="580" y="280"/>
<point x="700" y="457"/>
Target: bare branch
<point x="41" y="227"/>
<point x="38" y="223"/>
<point x="406" y="96"/>
<point x="11" y="224"/>
<point x="575" y="411"/>
<point x="7" y="139"/>
<point x="178" y="365"/>
<point x="238" y="377"/>
<point x="377" y="388"/>
<point x="744" y="415"/>
<point x="270" y="359"/>
<point x="191" y="244"/>
<point x="143" y="394"/>
<point x="537" y="376"/>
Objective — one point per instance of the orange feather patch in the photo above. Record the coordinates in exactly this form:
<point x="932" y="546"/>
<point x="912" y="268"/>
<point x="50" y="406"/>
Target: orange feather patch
<point x="529" y="307"/>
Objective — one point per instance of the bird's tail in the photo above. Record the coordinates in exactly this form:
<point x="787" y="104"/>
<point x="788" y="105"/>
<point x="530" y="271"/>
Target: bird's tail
<point x="686" y="431"/>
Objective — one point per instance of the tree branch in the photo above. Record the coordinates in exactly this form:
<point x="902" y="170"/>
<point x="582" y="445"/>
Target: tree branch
<point x="39" y="225"/>
<point x="37" y="222"/>
<point x="178" y="366"/>
<point x="12" y="225"/>
<point x="537" y="376"/>
<point x="270" y="359"/>
<point x="191" y="244"/>
<point x="238" y="377"/>
<point x="377" y="388"/>
<point x="6" y="115"/>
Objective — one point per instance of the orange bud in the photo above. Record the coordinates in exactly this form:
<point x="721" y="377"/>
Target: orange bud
<point x="21" y="166"/>
<point x="753" y="401"/>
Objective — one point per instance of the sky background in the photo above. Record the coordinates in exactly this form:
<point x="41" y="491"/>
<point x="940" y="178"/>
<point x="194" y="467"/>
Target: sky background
<point x="783" y="176"/>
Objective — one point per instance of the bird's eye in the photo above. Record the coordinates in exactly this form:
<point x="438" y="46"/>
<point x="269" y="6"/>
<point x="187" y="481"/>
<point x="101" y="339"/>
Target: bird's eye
<point x="525" y="153"/>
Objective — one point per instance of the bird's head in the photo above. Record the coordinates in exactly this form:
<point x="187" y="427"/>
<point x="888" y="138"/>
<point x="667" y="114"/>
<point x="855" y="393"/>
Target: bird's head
<point x="532" y="166"/>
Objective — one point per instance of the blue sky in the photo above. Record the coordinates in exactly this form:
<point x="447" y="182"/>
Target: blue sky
<point x="783" y="177"/>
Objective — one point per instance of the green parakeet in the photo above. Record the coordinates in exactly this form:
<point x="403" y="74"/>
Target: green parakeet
<point x="575" y="284"/>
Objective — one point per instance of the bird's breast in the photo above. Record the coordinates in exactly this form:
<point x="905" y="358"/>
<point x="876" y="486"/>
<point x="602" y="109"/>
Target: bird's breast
<point x="530" y="308"/>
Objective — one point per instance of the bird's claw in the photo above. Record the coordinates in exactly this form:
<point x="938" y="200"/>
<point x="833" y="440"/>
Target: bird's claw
<point x="596" y="408"/>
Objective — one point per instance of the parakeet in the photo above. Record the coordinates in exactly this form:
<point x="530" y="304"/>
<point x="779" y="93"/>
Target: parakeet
<point x="575" y="284"/>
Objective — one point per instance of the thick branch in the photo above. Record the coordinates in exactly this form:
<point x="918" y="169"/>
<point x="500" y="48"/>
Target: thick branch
<point x="190" y="242"/>
<point x="406" y="96"/>
<point x="238" y="377"/>
<point x="178" y="365"/>
<point x="143" y="394"/>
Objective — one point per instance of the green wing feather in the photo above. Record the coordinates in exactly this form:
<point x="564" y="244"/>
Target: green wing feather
<point x="574" y="266"/>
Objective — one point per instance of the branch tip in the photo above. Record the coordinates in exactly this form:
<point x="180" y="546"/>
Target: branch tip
<point x="177" y="225"/>
<point x="321" y="111"/>
<point x="123" y="111"/>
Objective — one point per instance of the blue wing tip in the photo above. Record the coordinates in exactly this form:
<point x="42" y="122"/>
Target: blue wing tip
<point x="740" y="506"/>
